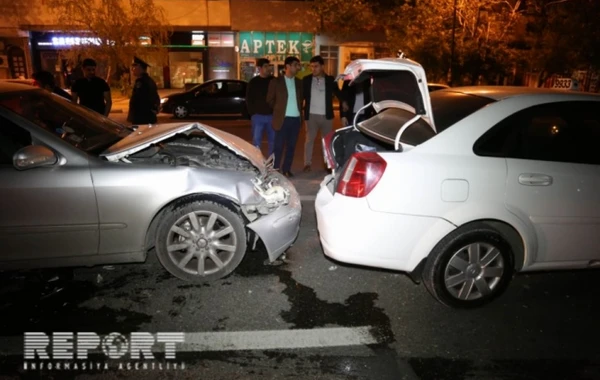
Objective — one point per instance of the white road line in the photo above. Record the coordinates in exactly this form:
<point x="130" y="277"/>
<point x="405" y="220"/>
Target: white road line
<point x="307" y="198"/>
<point x="241" y="340"/>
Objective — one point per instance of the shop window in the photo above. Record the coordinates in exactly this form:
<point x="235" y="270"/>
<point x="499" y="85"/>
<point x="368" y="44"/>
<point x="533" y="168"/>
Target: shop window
<point x="186" y="68"/>
<point x="330" y="55"/>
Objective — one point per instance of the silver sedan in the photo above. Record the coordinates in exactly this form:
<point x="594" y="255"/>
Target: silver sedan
<point x="77" y="189"/>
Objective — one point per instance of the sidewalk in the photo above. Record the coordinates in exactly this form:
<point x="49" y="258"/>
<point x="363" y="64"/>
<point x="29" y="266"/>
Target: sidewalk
<point x="120" y="103"/>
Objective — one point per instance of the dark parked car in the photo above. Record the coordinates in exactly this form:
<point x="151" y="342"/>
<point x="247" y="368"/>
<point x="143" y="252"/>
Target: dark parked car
<point x="215" y="97"/>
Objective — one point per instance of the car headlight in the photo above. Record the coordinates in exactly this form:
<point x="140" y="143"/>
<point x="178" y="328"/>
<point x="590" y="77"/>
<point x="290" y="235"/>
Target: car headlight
<point x="164" y="100"/>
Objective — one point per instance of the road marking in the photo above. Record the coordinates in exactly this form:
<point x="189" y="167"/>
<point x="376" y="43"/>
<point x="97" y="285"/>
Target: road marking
<point x="242" y="340"/>
<point x="278" y="339"/>
<point x="307" y="198"/>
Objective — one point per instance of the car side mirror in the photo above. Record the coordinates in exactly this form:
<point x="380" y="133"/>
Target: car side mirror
<point x="34" y="156"/>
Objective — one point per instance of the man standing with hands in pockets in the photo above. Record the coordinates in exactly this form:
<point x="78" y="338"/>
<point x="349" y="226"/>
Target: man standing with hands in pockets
<point x="319" y="90"/>
<point x="285" y="97"/>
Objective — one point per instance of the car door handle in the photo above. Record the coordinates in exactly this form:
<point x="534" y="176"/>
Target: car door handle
<point x="530" y="179"/>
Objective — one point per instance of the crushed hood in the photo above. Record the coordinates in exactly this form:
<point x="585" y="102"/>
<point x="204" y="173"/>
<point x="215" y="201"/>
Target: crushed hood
<point x="147" y="135"/>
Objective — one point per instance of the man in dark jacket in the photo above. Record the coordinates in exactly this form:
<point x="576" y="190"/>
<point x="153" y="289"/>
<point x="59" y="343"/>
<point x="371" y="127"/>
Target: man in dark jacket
<point x="261" y="113"/>
<point x="357" y="96"/>
<point x="319" y="90"/>
<point x="145" y="101"/>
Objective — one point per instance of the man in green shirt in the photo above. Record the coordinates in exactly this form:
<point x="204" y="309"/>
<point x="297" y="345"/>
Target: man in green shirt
<point x="285" y="97"/>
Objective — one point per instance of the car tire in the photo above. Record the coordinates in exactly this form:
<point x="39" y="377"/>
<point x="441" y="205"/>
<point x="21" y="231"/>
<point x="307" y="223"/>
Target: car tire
<point x="180" y="111"/>
<point x="186" y="247"/>
<point x="470" y="267"/>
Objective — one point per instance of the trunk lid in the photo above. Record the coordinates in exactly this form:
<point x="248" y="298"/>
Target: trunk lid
<point x="395" y="83"/>
<point x="147" y="135"/>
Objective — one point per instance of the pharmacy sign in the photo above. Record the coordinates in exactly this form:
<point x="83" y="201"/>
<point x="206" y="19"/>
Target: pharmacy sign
<point x="276" y="45"/>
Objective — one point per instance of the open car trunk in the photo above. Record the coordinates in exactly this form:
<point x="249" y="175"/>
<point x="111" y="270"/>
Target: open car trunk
<point x="400" y="98"/>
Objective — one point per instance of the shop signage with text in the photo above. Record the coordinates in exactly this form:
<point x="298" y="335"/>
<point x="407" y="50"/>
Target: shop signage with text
<point x="276" y="45"/>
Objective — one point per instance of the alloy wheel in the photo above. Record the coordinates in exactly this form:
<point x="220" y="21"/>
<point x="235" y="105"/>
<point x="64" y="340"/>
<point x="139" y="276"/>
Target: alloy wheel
<point x="201" y="243"/>
<point x="474" y="271"/>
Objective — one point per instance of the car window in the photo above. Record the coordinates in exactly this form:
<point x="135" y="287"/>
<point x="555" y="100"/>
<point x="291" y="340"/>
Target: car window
<point x="72" y="123"/>
<point x="385" y="125"/>
<point x="449" y="107"/>
<point x="559" y="132"/>
<point x="214" y="88"/>
<point x="235" y="88"/>
<point x="12" y="138"/>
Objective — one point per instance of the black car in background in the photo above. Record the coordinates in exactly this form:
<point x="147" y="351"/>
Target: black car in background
<point x="214" y="97"/>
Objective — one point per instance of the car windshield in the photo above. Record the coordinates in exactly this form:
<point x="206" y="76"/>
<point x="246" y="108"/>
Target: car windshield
<point x="75" y="124"/>
<point x="448" y="107"/>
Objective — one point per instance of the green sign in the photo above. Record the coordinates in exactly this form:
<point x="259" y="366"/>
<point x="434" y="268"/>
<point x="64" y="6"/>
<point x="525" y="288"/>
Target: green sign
<point x="276" y="45"/>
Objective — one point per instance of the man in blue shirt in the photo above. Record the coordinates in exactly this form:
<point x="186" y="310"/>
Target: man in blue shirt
<point x="285" y="97"/>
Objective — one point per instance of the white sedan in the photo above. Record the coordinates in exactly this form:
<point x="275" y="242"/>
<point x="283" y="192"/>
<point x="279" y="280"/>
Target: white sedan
<point x="464" y="187"/>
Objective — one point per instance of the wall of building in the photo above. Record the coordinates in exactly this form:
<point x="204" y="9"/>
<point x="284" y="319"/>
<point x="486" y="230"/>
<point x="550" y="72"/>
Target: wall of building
<point x="192" y="13"/>
<point x="179" y="13"/>
<point x="271" y="15"/>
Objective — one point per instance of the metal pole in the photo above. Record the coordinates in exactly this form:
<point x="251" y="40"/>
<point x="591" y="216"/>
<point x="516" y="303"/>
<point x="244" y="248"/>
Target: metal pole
<point x="450" y="76"/>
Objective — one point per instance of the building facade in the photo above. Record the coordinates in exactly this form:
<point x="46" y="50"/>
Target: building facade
<point x="200" y="48"/>
<point x="211" y="39"/>
<point x="15" y="61"/>
<point x="275" y="29"/>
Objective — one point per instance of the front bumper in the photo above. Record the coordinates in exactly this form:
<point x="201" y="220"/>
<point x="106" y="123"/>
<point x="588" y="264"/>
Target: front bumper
<point x="166" y="108"/>
<point x="279" y="230"/>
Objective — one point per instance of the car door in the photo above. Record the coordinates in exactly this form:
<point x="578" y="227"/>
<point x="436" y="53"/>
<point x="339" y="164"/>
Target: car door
<point x="551" y="184"/>
<point x="235" y="101"/>
<point x="209" y="98"/>
<point x="45" y="212"/>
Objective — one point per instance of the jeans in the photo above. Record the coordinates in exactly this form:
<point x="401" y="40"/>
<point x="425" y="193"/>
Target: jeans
<point x="314" y="124"/>
<point x="260" y="125"/>
<point x="286" y="138"/>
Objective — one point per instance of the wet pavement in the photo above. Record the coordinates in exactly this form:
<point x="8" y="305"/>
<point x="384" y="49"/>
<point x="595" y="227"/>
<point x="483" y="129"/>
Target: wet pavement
<point x="545" y="326"/>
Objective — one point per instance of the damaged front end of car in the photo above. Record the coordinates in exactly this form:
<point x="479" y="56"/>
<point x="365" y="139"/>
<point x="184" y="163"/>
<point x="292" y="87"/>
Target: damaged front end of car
<point x="268" y="200"/>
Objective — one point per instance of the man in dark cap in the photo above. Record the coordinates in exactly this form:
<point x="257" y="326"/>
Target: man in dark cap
<point x="145" y="101"/>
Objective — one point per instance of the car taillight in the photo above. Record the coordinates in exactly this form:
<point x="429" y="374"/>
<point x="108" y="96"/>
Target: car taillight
<point x="327" y="152"/>
<point x="362" y="173"/>
<point x="36" y="83"/>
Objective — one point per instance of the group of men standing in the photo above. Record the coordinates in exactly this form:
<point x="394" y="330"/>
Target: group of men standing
<point x="94" y="93"/>
<point x="277" y="107"/>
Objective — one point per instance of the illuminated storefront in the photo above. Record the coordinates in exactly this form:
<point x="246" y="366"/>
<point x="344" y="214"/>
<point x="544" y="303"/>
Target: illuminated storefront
<point x="193" y="57"/>
<point x="275" y="46"/>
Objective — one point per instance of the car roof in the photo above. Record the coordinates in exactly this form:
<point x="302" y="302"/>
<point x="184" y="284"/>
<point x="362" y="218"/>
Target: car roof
<point x="504" y="92"/>
<point x="6" y="87"/>
<point x="222" y="80"/>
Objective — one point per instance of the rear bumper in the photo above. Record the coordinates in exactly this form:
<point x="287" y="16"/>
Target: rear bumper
<point x="351" y="232"/>
<point x="279" y="230"/>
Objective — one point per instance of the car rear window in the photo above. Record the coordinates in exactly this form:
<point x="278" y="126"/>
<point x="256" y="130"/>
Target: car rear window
<point x="449" y="107"/>
<point x="385" y="125"/>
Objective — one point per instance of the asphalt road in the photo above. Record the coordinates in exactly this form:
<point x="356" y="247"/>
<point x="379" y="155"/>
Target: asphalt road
<point x="306" y="318"/>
